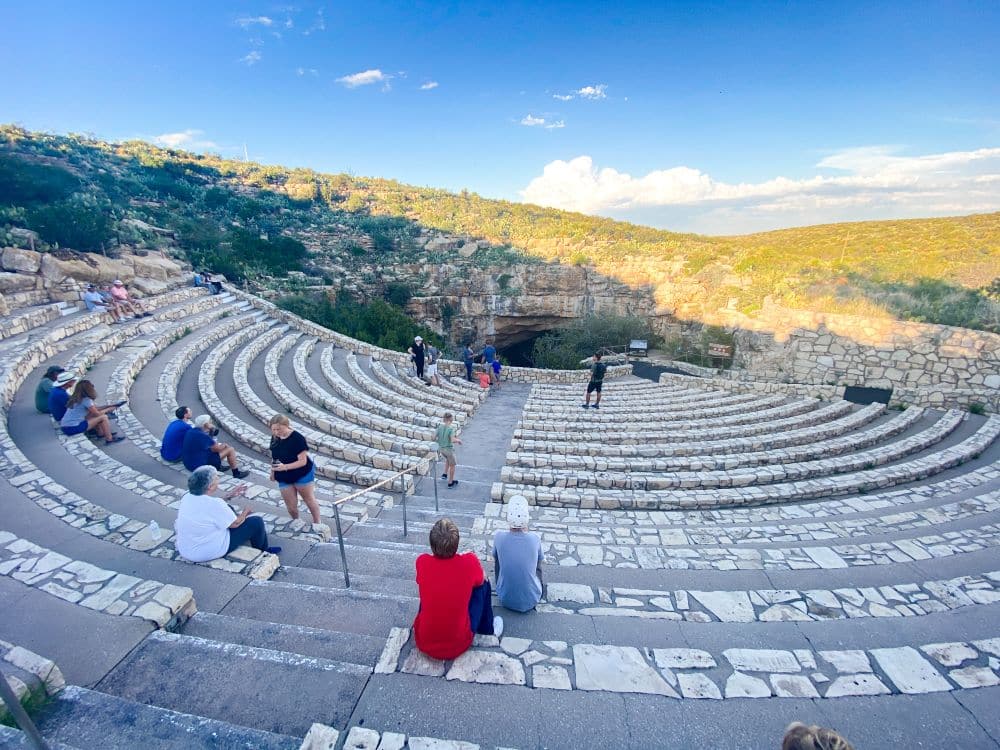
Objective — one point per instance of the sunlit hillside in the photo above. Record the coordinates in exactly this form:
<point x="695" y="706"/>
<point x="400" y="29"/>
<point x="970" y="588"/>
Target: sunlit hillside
<point x="257" y="222"/>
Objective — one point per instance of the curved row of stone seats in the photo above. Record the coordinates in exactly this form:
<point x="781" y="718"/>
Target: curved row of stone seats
<point x="735" y="453"/>
<point x="564" y="390"/>
<point x="574" y="419"/>
<point x="777" y="438"/>
<point x="349" y="470"/>
<point x="346" y="410"/>
<point x="446" y="390"/>
<point x="621" y="403"/>
<point x="652" y="442"/>
<point x="370" y="385"/>
<point x="25" y="320"/>
<point x="167" y="385"/>
<point x="320" y="441"/>
<point x="906" y="599"/>
<point x="754" y="469"/>
<point x="327" y="422"/>
<point x="353" y="393"/>
<point x="802" y="532"/>
<point x="418" y="390"/>
<point x="774" y="491"/>
<point x="90" y="586"/>
<point x="80" y="513"/>
<point x="683" y="673"/>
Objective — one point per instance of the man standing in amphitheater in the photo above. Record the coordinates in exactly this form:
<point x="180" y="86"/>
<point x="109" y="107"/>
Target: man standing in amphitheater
<point x="597" y="371"/>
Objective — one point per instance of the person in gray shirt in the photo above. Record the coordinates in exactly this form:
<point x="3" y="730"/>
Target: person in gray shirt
<point x="517" y="560"/>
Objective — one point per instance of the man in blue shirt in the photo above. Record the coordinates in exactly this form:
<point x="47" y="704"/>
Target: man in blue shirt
<point x="59" y="394"/>
<point x="489" y="354"/>
<point x="200" y="449"/>
<point x="517" y="560"/>
<point x="173" y="438"/>
<point x="95" y="302"/>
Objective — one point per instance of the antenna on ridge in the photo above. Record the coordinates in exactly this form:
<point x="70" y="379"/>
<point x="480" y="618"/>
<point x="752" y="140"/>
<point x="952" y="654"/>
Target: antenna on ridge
<point x="246" y="157"/>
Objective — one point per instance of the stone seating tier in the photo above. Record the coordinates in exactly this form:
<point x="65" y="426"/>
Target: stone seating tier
<point x="418" y="391"/>
<point x="405" y="403"/>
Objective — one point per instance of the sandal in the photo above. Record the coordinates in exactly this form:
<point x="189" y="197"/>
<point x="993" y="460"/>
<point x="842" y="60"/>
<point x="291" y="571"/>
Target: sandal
<point x="115" y="439"/>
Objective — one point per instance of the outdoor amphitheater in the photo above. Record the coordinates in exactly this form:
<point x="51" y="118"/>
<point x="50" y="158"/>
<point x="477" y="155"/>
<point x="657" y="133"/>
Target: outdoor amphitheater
<point x="718" y="562"/>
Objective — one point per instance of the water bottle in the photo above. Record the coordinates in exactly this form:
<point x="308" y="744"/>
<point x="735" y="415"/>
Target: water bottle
<point x="154" y="531"/>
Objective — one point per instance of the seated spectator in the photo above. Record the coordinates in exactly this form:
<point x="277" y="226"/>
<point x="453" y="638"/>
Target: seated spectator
<point x="124" y="300"/>
<point x="96" y="303"/>
<point x="44" y="388"/>
<point x="201" y="449"/>
<point x="517" y="560"/>
<point x="213" y="281"/>
<point x="199" y="279"/>
<point x="173" y="437"/>
<point x="59" y="394"/>
<point x="454" y="597"/>
<point x="207" y="528"/>
<point x="800" y="737"/>
<point x="82" y="414"/>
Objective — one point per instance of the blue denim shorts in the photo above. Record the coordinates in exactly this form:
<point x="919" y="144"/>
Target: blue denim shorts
<point x="310" y="477"/>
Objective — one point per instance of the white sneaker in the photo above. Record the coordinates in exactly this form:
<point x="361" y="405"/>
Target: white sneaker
<point x="498" y="626"/>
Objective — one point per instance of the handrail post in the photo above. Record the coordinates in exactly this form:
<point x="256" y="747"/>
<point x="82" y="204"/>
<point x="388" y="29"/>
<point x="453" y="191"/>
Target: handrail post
<point x="405" y="530"/>
<point x="434" y="471"/>
<point x="20" y="715"/>
<point x="340" y="540"/>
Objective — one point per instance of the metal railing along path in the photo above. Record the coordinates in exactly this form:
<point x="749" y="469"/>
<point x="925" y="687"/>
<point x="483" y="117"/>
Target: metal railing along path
<point x="20" y="715"/>
<point x="431" y="463"/>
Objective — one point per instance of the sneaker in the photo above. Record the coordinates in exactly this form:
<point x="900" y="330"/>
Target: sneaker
<point x="241" y="473"/>
<point x="115" y="439"/>
<point x="147" y="315"/>
<point x="585" y="406"/>
<point x="453" y="483"/>
<point x="444" y="476"/>
<point x="273" y="550"/>
<point x="597" y="406"/>
<point x="498" y="626"/>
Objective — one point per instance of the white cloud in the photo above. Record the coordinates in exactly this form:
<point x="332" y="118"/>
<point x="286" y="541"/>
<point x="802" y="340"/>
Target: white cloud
<point x="318" y="25"/>
<point x="251" y="57"/>
<point x="189" y="139"/>
<point x="597" y="91"/>
<point x="249" y="21"/>
<point x="870" y="182"/>
<point x="306" y="71"/>
<point x="429" y="85"/>
<point x="364" y="78"/>
<point x="540" y="122"/>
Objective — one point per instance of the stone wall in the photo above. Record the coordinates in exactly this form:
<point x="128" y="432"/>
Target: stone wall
<point x="32" y="278"/>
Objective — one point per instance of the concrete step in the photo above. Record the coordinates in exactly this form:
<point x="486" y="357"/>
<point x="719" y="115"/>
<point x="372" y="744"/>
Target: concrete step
<point x="91" y="719"/>
<point x="295" y="639"/>
<point x="392" y="563"/>
<point x="253" y="687"/>
<point x="319" y="607"/>
<point x="360" y="581"/>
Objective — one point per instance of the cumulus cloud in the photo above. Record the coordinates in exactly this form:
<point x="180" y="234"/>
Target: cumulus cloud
<point x="364" y="78"/>
<point x="251" y="58"/>
<point x="597" y="91"/>
<point x="250" y="21"/>
<point x="531" y="121"/>
<point x="189" y="139"/>
<point x="868" y="182"/>
<point x="429" y="85"/>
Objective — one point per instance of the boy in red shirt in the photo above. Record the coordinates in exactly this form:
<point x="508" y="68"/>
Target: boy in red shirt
<point x="454" y="597"/>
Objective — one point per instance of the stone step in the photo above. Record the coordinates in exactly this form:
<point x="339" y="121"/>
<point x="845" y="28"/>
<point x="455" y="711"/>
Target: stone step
<point x="260" y="688"/>
<point x="91" y="719"/>
<point x="348" y="611"/>
<point x="295" y="639"/>
<point x="391" y="563"/>
<point x="334" y="579"/>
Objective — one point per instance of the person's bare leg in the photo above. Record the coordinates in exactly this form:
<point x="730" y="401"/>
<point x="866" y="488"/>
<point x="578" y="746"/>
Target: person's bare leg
<point x="102" y="425"/>
<point x="308" y="495"/>
<point x="230" y="455"/>
<point x="451" y="472"/>
<point x="291" y="501"/>
<point x="586" y="400"/>
<point x="598" y="399"/>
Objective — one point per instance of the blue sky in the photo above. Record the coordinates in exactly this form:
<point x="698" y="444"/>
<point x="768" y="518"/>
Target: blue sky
<point x="704" y="116"/>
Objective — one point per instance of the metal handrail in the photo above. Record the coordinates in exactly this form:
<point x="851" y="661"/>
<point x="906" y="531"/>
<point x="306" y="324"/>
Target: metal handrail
<point x="430" y="463"/>
<point x="20" y="715"/>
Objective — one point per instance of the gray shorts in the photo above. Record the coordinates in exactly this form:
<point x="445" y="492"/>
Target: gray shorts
<point x="448" y="454"/>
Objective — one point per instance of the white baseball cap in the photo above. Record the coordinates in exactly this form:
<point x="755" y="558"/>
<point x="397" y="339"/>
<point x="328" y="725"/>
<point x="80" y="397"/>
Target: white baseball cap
<point x="118" y="282"/>
<point x="518" y="514"/>
<point x="417" y="338"/>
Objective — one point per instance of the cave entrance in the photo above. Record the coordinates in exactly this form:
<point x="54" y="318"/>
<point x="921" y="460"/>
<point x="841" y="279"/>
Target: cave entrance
<point x="518" y="354"/>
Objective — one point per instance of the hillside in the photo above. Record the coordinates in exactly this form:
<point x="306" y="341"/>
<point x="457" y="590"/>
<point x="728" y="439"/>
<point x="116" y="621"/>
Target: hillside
<point x="379" y="237"/>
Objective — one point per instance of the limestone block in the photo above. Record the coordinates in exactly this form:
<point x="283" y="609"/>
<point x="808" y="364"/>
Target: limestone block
<point x="320" y="737"/>
<point x="17" y="282"/>
<point x="147" y="286"/>
<point x="25" y="261"/>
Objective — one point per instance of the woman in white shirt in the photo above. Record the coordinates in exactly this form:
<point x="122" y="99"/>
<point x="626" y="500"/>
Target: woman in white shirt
<point x="206" y="526"/>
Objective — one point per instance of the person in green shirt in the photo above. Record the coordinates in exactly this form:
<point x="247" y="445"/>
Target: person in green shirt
<point x="45" y="387"/>
<point x="597" y="371"/>
<point x="446" y="441"/>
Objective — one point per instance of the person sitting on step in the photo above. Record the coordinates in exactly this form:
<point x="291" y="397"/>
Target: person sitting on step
<point x="126" y="301"/>
<point x="517" y="560"/>
<point x="44" y="388"/>
<point x="59" y="395"/>
<point x="95" y="302"/>
<point x="173" y="437"/>
<point x="83" y="415"/>
<point x="800" y="737"/>
<point x="207" y="528"/>
<point x="454" y="597"/>
<point x="200" y="448"/>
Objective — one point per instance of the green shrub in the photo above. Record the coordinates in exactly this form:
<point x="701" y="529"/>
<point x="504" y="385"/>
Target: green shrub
<point x="24" y="183"/>
<point x="977" y="408"/>
<point x="79" y="223"/>
<point x="563" y="348"/>
<point x="397" y="293"/>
